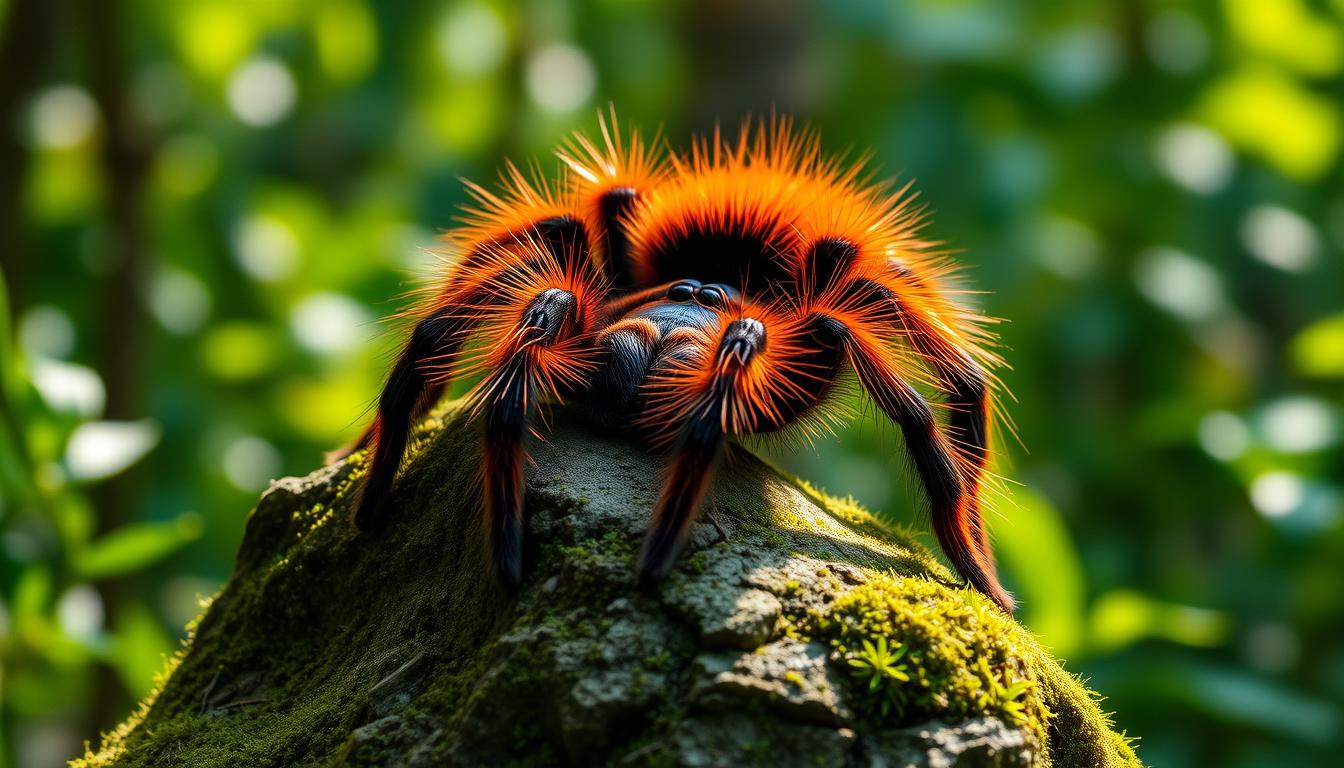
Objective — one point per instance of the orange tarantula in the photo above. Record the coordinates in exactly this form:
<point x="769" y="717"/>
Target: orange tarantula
<point x="712" y="294"/>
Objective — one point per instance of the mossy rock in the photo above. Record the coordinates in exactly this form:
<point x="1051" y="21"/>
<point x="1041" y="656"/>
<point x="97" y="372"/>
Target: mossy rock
<point x="800" y="631"/>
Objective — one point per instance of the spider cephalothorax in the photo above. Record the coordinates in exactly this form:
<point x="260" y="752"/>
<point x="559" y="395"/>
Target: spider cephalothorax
<point x="711" y="295"/>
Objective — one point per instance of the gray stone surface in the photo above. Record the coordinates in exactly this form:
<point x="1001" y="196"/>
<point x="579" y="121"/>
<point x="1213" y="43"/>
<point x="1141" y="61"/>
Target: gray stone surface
<point x="399" y="650"/>
<point x="978" y="743"/>
<point x="788" y="677"/>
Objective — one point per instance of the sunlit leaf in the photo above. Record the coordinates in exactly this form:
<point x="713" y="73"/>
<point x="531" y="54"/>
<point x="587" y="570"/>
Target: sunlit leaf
<point x="1288" y="31"/>
<point x="1122" y="617"/>
<point x="240" y="351"/>
<point x="63" y="184"/>
<point x="213" y="36"/>
<point x="137" y="545"/>
<point x="31" y="596"/>
<point x="1266" y="112"/>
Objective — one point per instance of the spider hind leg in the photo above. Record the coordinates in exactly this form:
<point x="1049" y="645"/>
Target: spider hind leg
<point x="948" y="483"/>
<point x="408" y="393"/>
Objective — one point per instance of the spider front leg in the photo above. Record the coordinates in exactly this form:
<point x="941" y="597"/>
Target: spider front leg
<point x="699" y="444"/>
<point x="494" y="284"/>
<point x="759" y="377"/>
<point x="544" y="352"/>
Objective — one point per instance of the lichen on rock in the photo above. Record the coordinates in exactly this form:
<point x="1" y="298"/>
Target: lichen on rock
<point x="798" y="631"/>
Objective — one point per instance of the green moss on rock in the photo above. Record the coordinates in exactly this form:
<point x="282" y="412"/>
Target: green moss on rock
<point x="327" y="648"/>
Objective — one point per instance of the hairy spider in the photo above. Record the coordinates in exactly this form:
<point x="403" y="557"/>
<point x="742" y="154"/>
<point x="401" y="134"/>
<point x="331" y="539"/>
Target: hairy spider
<point x="696" y="298"/>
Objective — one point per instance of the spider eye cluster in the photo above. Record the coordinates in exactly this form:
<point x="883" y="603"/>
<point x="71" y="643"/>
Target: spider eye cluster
<point x="712" y="296"/>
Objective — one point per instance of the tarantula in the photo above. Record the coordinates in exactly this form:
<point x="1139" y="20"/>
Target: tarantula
<point x="696" y="298"/>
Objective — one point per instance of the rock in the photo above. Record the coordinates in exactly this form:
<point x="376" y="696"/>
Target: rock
<point x="732" y="618"/>
<point x="810" y="635"/>
<point x="395" y="742"/>
<point x="789" y="677"/>
<point x="984" y="742"/>
<point x="732" y="740"/>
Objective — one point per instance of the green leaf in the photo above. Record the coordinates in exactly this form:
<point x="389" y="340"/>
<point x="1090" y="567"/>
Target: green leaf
<point x="1319" y="349"/>
<point x="1038" y="553"/>
<point x="32" y="595"/>
<point x="1122" y="617"/>
<point x="139" y="648"/>
<point x="135" y="546"/>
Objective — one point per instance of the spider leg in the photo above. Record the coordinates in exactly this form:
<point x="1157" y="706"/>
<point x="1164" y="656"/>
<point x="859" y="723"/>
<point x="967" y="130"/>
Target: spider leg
<point x="966" y="384"/>
<point x="763" y="372"/>
<point x="960" y="376"/>
<point x="954" y="513"/>
<point x="508" y="398"/>
<point x="614" y="205"/>
<point x="858" y="306"/>
<point x="413" y="386"/>
<point x="699" y="444"/>
<point x="408" y="393"/>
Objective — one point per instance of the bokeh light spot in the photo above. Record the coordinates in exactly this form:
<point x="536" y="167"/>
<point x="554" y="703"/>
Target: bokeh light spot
<point x="1078" y="62"/>
<point x="472" y="39"/>
<point x="48" y="331"/>
<point x="266" y="248"/>
<point x="250" y="463"/>
<point x="1179" y="283"/>
<point x="560" y="78"/>
<point x="1195" y="158"/>
<point x="69" y="388"/>
<point x="62" y="116"/>
<point x="1280" y="238"/>
<point x="1277" y="493"/>
<point x="262" y="92"/>
<point x="347" y="39"/>
<point x="180" y="301"/>
<point x="1067" y="247"/>
<point x="1223" y="435"/>
<point x="80" y="613"/>
<point x="1263" y="111"/>
<point x="329" y="322"/>
<point x="100" y="449"/>
<point x="1299" y="425"/>
<point x="1176" y="41"/>
<point x="188" y="164"/>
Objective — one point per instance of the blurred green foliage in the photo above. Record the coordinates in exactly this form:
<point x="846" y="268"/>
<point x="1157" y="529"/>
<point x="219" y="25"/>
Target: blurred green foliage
<point x="214" y="201"/>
